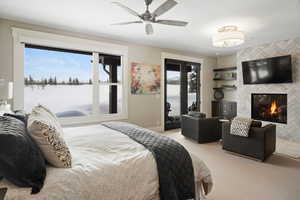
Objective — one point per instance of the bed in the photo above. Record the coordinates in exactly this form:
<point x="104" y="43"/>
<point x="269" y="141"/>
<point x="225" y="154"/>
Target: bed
<point x="106" y="165"/>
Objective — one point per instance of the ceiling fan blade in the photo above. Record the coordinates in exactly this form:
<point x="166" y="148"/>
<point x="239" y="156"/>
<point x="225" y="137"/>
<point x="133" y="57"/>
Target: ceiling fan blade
<point x="127" y="9"/>
<point x="125" y="23"/>
<point x="172" y="22"/>
<point x="149" y="29"/>
<point x="164" y="7"/>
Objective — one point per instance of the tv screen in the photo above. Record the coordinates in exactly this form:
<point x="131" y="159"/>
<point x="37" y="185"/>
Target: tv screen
<point x="268" y="70"/>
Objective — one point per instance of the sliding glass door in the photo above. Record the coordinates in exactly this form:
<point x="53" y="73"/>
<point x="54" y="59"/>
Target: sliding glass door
<point x="182" y="90"/>
<point x="173" y="94"/>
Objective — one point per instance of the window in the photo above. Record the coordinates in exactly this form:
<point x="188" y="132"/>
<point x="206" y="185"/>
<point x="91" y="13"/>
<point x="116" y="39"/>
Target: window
<point x="58" y="79"/>
<point x="66" y="74"/>
<point x="64" y="81"/>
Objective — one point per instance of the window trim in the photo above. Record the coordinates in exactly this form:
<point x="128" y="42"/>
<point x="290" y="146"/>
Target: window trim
<point x="23" y="36"/>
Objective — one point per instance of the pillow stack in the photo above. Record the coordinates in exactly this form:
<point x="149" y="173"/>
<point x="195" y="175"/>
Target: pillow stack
<point x="27" y="142"/>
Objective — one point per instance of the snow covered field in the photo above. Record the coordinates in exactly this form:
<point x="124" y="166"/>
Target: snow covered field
<point x="173" y="97"/>
<point x="75" y="100"/>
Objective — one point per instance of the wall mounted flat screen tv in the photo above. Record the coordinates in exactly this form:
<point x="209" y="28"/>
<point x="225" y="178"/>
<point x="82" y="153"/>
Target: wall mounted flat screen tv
<point x="268" y="70"/>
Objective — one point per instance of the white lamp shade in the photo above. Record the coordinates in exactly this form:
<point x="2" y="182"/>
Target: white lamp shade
<point x="228" y="36"/>
<point x="10" y="90"/>
<point x="6" y="90"/>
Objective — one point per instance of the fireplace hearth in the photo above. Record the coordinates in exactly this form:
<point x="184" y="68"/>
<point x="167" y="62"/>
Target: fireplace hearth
<point x="269" y="107"/>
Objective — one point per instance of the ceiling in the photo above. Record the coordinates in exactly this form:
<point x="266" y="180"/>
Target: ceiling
<point x="262" y="21"/>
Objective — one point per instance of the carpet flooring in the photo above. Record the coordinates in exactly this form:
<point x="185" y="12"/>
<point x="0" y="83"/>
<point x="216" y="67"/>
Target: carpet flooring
<point x="238" y="178"/>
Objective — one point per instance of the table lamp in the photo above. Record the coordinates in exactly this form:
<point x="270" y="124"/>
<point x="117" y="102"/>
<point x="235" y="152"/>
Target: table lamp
<point x="6" y="93"/>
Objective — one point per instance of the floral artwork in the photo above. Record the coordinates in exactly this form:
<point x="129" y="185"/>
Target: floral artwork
<point x="145" y="79"/>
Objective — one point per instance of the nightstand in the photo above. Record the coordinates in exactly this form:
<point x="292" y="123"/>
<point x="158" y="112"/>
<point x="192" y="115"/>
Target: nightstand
<point x="221" y="122"/>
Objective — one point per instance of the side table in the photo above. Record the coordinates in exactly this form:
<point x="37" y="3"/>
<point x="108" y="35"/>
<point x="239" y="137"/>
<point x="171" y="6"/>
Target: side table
<point x="221" y="121"/>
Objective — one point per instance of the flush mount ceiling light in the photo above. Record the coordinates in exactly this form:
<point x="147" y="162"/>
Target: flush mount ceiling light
<point x="228" y="36"/>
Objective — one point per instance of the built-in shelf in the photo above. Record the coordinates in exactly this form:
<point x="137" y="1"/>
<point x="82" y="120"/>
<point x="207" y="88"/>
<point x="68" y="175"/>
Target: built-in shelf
<point x="226" y="87"/>
<point x="225" y="69"/>
<point x="224" y="79"/>
<point x="224" y="74"/>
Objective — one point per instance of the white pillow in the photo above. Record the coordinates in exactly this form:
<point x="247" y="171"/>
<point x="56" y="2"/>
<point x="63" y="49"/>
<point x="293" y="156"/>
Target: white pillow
<point x="44" y="127"/>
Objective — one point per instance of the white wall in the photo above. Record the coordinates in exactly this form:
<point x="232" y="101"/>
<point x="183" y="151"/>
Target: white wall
<point x="226" y="61"/>
<point x="143" y="110"/>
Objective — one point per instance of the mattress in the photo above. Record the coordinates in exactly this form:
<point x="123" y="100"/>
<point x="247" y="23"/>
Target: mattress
<point x="106" y="165"/>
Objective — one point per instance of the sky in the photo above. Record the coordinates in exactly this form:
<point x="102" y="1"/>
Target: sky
<point x="173" y="75"/>
<point x="41" y="64"/>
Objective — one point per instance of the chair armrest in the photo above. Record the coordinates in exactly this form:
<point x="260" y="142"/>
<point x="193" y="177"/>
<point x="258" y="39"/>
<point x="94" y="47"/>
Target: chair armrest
<point x="200" y="129"/>
<point x="263" y="132"/>
<point x="209" y="127"/>
<point x="270" y="128"/>
<point x="270" y="139"/>
<point x="190" y="117"/>
<point x="190" y="126"/>
<point x="189" y="121"/>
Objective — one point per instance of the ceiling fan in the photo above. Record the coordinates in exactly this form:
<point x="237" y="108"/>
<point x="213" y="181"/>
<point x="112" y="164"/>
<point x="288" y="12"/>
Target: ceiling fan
<point x="148" y="18"/>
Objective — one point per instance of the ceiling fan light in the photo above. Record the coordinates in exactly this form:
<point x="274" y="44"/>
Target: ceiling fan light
<point x="228" y="36"/>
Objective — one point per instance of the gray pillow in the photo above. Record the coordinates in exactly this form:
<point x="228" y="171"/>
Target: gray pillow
<point x="21" y="161"/>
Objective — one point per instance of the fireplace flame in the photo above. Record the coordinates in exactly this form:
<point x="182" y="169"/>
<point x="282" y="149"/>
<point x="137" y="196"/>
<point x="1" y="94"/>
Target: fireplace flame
<point x="274" y="108"/>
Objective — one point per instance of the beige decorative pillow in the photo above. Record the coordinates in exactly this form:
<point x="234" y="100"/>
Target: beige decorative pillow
<point x="44" y="128"/>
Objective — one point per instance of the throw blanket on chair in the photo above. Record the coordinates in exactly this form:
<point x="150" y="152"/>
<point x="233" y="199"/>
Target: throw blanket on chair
<point x="174" y="164"/>
<point x="240" y="126"/>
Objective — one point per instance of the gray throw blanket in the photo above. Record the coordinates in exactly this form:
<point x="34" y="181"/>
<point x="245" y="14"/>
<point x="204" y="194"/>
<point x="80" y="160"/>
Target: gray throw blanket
<point x="240" y="126"/>
<point x="174" y="164"/>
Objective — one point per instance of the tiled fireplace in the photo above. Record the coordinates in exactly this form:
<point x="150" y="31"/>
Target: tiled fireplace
<point x="291" y="129"/>
<point x="269" y="107"/>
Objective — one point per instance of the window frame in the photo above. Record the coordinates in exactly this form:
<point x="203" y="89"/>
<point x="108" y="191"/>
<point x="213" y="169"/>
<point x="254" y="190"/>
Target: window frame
<point x="23" y="36"/>
<point x="118" y="84"/>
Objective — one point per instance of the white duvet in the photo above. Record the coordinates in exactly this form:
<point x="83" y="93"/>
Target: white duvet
<point x="107" y="165"/>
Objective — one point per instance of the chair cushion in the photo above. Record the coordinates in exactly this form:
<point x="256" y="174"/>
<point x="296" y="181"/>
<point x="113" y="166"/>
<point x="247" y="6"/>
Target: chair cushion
<point x="197" y="114"/>
<point x="21" y="161"/>
<point x="45" y="129"/>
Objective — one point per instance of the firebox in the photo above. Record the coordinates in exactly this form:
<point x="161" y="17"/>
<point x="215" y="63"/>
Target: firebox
<point x="269" y="107"/>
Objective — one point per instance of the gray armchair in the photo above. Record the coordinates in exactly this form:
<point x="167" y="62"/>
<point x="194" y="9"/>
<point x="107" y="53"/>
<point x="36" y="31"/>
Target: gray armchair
<point x="201" y="129"/>
<point x="260" y="143"/>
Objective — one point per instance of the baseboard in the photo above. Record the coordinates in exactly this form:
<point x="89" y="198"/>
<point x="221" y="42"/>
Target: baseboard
<point x="156" y="128"/>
